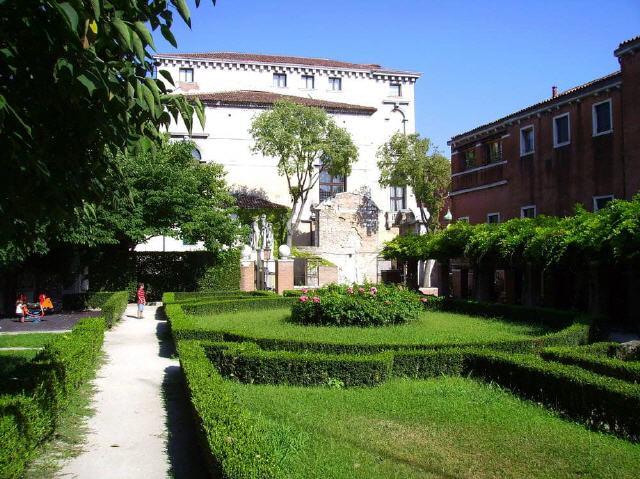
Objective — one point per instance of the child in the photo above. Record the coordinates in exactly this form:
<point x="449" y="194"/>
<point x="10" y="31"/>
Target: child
<point x="141" y="300"/>
<point x="21" y="309"/>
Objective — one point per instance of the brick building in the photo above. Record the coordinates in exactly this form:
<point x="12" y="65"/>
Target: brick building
<point x="579" y="146"/>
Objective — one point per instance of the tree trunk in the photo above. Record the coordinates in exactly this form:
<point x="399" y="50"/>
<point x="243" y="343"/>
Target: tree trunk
<point x="427" y="269"/>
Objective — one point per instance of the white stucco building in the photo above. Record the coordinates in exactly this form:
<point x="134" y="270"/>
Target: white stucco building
<point x="370" y="101"/>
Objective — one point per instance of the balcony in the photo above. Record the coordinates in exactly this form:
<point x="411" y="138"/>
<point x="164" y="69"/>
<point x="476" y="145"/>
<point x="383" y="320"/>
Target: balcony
<point x="492" y="174"/>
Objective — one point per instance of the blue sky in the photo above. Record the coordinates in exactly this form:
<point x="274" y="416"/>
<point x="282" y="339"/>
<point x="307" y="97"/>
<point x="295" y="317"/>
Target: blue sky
<point x="480" y="59"/>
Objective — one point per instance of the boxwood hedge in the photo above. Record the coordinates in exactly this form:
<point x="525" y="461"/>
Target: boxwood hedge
<point x="601" y="364"/>
<point x="601" y="402"/>
<point x="31" y="403"/>
<point x="183" y="327"/>
<point x="250" y="364"/>
<point x="237" y="442"/>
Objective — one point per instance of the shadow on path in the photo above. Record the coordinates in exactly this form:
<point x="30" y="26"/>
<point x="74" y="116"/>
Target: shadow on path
<point x="182" y="441"/>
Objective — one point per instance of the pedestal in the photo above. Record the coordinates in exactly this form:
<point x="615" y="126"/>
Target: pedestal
<point x="247" y="276"/>
<point x="284" y="275"/>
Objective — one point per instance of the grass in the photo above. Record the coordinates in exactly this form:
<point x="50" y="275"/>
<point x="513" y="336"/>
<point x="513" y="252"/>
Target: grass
<point x="446" y="427"/>
<point x="431" y="328"/>
<point x="11" y="361"/>
<point x="37" y="340"/>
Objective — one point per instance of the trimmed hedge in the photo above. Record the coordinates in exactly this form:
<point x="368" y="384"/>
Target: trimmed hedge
<point x="613" y="367"/>
<point x="182" y="327"/>
<point x="180" y="297"/>
<point x="427" y="364"/>
<point x="601" y="402"/>
<point x="250" y="364"/>
<point x="554" y="318"/>
<point x="206" y="308"/>
<point x="82" y="301"/>
<point x="32" y="402"/>
<point x="237" y="442"/>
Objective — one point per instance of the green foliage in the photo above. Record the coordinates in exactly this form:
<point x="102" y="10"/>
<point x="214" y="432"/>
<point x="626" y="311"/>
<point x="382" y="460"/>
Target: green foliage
<point x="600" y="401"/>
<point x="212" y="296"/>
<point x="35" y="396"/>
<point x="82" y="301"/>
<point x="238" y="441"/>
<point x="283" y="335"/>
<point x="356" y="306"/>
<point x="553" y="318"/>
<point x="317" y="260"/>
<point x="248" y="363"/>
<point x="278" y="217"/>
<point x="76" y="79"/>
<point x="164" y="191"/>
<point x="610" y="235"/>
<point x="410" y="161"/>
<point x="616" y="368"/>
<point x="299" y="137"/>
<point x="224" y="275"/>
<point x="207" y="307"/>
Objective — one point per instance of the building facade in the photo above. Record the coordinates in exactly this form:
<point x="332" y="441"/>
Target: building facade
<point x="579" y="146"/>
<point x="369" y="101"/>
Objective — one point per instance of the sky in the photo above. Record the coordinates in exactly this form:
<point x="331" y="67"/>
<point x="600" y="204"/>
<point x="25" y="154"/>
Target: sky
<point x="480" y="60"/>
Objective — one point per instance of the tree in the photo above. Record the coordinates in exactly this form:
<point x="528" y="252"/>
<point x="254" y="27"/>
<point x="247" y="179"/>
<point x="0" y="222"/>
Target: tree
<point x="76" y="82"/>
<point x="410" y="161"/>
<point x="160" y="192"/>
<point x="306" y="141"/>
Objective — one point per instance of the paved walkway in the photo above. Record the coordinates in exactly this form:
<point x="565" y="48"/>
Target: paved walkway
<point x="142" y="427"/>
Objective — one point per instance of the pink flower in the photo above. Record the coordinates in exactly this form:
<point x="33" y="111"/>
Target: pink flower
<point x="350" y="290"/>
<point x="360" y="290"/>
<point x="424" y="300"/>
<point x="316" y="299"/>
<point x="373" y="291"/>
<point x="305" y="290"/>
<point x="304" y="299"/>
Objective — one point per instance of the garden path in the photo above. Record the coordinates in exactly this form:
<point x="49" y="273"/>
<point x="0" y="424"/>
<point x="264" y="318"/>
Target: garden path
<point x="142" y="426"/>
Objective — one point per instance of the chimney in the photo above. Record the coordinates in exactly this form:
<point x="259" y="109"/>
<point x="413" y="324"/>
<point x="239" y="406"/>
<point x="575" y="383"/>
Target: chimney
<point x="554" y="91"/>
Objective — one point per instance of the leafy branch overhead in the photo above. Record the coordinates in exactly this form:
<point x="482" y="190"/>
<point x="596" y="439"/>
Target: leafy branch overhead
<point x="306" y="141"/>
<point x="76" y="79"/>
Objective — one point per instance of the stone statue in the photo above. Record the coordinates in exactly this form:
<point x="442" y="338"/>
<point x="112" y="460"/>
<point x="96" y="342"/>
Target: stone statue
<point x="268" y="236"/>
<point x="254" y="241"/>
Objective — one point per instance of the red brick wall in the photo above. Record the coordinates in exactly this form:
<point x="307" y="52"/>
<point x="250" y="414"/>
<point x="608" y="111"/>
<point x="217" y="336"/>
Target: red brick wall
<point x="555" y="179"/>
<point x="630" y="66"/>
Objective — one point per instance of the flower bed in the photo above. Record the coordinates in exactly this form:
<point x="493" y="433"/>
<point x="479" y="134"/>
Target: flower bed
<point x="356" y="306"/>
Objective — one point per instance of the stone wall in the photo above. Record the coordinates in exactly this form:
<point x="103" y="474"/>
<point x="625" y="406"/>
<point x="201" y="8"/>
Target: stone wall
<point x="350" y="232"/>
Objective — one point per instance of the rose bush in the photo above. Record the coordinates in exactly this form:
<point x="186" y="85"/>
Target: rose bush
<point x="358" y="305"/>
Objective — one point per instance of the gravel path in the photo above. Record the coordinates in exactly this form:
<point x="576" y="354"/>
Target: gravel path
<point x="142" y="427"/>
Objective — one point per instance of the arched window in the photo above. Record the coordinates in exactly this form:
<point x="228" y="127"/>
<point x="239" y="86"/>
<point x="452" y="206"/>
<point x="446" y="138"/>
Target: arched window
<point x="196" y="154"/>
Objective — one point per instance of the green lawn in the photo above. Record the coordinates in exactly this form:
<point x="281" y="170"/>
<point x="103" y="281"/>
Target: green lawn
<point x="36" y="340"/>
<point x="431" y="328"/>
<point x="447" y="427"/>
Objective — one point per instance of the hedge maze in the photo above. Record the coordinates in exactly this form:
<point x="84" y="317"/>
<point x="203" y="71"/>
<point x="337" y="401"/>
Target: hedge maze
<point x="558" y="369"/>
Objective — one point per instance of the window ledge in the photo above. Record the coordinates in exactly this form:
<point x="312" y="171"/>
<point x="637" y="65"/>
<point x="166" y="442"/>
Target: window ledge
<point x="480" y="168"/>
<point x="528" y="153"/>
<point x="560" y="145"/>
<point x="608" y="132"/>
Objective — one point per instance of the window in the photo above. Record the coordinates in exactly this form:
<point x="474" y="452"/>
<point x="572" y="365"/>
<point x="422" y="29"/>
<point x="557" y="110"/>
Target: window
<point x="330" y="185"/>
<point x="528" y="211"/>
<point x="493" y="218"/>
<point x="600" y="202"/>
<point x="395" y="89"/>
<point x="526" y="141"/>
<point x="494" y="151"/>
<point x="195" y="153"/>
<point x="469" y="158"/>
<point x="186" y="75"/>
<point x="463" y="219"/>
<point x="561" y="130"/>
<point x="308" y="81"/>
<point x="398" y="197"/>
<point x="280" y="80"/>
<point x="602" y="121"/>
<point x="335" y="84"/>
